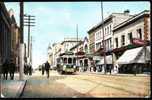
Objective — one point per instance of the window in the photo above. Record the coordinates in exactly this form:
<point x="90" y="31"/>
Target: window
<point x="69" y="60"/>
<point x="116" y="40"/>
<point x="110" y="43"/>
<point x="110" y="29"/>
<point x="130" y="36"/>
<point x="123" y="40"/>
<point x="139" y="33"/>
<point x="105" y="31"/>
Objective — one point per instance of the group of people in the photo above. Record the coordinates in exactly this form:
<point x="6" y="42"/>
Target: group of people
<point x="28" y="69"/>
<point x="46" y="67"/>
<point x="8" y="67"/>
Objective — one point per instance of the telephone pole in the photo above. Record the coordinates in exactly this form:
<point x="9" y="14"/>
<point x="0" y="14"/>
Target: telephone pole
<point x="104" y="49"/>
<point x="29" y="22"/>
<point x="77" y="42"/>
<point x="21" y="50"/>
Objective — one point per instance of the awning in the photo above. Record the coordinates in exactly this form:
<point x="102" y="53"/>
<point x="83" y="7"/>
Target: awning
<point x="134" y="56"/>
<point x="97" y="57"/>
<point x="80" y="53"/>
<point x="108" y="60"/>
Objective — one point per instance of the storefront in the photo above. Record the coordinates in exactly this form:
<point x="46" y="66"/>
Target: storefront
<point x="137" y="59"/>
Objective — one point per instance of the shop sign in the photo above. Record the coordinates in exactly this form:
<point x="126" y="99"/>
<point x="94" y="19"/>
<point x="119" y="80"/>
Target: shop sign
<point x="138" y="41"/>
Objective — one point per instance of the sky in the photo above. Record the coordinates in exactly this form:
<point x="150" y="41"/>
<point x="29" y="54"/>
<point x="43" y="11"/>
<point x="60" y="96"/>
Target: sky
<point x="57" y="20"/>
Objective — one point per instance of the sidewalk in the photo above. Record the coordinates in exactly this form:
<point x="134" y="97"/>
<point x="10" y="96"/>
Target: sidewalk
<point x="13" y="88"/>
<point x="113" y="74"/>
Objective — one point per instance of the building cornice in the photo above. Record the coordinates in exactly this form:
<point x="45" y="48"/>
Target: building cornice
<point x="131" y="20"/>
<point x="100" y="24"/>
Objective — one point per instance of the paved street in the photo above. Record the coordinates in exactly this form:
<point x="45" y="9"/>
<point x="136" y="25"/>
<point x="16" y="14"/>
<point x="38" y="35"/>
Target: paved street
<point x="86" y="85"/>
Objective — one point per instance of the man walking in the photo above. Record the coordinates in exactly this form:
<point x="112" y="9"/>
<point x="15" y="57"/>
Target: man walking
<point x="47" y="67"/>
<point x="12" y="69"/>
<point x="5" y="69"/>
<point x="30" y="69"/>
<point x="43" y="69"/>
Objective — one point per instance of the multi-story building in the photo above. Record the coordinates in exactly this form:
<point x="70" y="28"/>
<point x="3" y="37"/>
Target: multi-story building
<point x="59" y="49"/>
<point x="68" y="43"/>
<point x="81" y="52"/>
<point x="15" y="38"/>
<point x="131" y="34"/>
<point x="105" y="29"/>
<point x="10" y="36"/>
<point x="54" y="53"/>
<point x="5" y="34"/>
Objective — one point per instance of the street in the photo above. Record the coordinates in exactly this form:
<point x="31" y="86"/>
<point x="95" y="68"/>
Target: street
<point x="86" y="85"/>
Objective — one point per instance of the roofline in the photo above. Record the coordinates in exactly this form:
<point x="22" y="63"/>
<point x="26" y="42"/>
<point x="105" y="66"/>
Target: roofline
<point x="76" y="45"/>
<point x="71" y="41"/>
<point x="100" y="23"/>
<point x="135" y="17"/>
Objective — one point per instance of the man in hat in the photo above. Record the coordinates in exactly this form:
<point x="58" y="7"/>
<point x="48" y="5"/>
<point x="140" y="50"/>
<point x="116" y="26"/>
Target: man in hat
<point x="5" y="69"/>
<point x="12" y="69"/>
<point x="47" y="67"/>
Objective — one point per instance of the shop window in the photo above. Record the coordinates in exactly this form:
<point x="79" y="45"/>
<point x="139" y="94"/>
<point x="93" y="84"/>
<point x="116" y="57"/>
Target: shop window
<point x="123" y="40"/>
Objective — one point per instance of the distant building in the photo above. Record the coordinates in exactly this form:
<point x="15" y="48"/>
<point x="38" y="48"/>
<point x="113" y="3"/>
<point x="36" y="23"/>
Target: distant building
<point x="53" y="52"/>
<point x="81" y="52"/>
<point x="68" y="43"/>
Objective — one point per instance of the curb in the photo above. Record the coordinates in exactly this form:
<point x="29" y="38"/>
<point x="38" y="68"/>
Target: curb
<point x="114" y="74"/>
<point x="21" y="89"/>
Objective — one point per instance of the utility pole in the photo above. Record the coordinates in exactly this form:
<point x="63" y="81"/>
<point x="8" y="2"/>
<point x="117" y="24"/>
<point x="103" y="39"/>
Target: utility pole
<point x="104" y="49"/>
<point x="31" y="50"/>
<point x="21" y="50"/>
<point x="29" y="21"/>
<point x="77" y="42"/>
<point x="145" y="37"/>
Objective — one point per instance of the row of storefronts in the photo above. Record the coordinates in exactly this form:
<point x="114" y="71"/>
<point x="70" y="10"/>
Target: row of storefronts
<point x="130" y="35"/>
<point x="127" y="45"/>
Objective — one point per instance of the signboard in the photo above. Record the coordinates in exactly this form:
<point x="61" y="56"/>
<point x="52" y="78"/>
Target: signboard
<point x="138" y="41"/>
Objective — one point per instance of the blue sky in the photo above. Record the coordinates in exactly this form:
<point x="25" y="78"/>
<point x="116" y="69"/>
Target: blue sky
<point x="56" y="20"/>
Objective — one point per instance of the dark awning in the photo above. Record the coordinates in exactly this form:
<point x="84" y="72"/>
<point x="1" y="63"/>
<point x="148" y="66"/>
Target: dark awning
<point x="80" y="53"/>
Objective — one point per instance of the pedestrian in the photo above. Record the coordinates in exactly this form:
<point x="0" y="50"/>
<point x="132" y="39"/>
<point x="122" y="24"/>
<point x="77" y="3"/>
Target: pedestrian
<point x="134" y="69"/>
<point x="0" y="67"/>
<point x="12" y="69"/>
<point x="47" y="67"/>
<point x="30" y="69"/>
<point x="25" y="68"/>
<point x="43" y="69"/>
<point x="5" y="69"/>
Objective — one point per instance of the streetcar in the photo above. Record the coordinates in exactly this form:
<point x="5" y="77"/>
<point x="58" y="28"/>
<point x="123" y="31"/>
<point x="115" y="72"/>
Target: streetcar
<point x="66" y="63"/>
